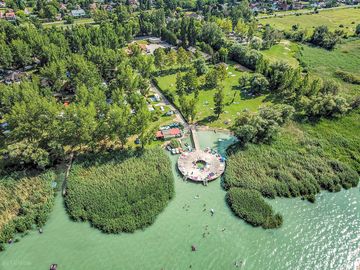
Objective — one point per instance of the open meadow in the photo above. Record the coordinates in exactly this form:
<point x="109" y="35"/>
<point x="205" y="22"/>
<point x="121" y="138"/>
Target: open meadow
<point x="284" y="51"/>
<point x="345" y="57"/>
<point x="235" y="100"/>
<point x="332" y="18"/>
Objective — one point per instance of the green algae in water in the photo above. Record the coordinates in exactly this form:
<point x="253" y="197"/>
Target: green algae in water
<point x="324" y="235"/>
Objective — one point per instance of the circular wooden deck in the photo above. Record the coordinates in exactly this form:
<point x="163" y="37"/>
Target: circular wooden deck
<point x="201" y="166"/>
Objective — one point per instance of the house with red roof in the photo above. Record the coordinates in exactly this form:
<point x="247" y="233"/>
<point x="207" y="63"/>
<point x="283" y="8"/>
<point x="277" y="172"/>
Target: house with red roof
<point x="10" y="16"/>
<point x="168" y="134"/>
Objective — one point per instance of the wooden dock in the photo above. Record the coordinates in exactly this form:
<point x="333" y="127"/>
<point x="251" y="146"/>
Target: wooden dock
<point x="195" y="138"/>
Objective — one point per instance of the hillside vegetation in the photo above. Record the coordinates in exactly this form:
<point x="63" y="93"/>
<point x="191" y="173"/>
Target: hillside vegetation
<point x="25" y="200"/>
<point x="120" y="193"/>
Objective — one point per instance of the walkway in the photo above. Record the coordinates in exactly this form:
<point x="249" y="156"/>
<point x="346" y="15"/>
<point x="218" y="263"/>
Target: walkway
<point x="166" y="102"/>
<point x="195" y="138"/>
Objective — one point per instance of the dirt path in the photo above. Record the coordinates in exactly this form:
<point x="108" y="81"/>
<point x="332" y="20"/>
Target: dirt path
<point x="165" y="102"/>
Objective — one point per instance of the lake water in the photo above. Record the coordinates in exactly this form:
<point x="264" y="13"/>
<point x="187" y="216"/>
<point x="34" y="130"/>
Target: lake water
<point x="324" y="235"/>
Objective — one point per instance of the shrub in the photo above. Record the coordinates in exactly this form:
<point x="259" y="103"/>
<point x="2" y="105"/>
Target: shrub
<point x="311" y="198"/>
<point x="347" y="77"/>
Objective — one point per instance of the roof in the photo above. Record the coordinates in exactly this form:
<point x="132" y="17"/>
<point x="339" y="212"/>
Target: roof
<point x="78" y="12"/>
<point x="159" y="134"/>
<point x="10" y="14"/>
<point x="171" y="131"/>
<point x="168" y="132"/>
<point x="143" y="46"/>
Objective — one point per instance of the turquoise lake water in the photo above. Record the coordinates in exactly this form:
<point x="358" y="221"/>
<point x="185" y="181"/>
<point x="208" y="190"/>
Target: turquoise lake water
<point x="324" y="235"/>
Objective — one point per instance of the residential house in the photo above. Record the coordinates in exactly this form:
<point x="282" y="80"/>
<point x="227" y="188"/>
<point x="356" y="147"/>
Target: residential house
<point x="133" y="2"/>
<point x="195" y="16"/>
<point x="63" y="6"/>
<point x="168" y="134"/>
<point x="93" y="6"/>
<point x="78" y="13"/>
<point x="10" y="16"/>
<point x="27" y="11"/>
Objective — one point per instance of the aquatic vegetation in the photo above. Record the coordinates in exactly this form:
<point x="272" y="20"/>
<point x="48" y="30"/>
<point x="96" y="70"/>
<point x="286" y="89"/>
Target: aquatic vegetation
<point x="120" y="192"/>
<point x="250" y="205"/>
<point x="304" y="159"/>
<point x="25" y="199"/>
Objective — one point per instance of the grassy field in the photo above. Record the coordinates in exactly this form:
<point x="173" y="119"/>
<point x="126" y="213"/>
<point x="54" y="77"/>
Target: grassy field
<point x="205" y="104"/>
<point x="284" y="51"/>
<point x="349" y="18"/>
<point x="62" y="23"/>
<point x="323" y="63"/>
<point x="120" y="192"/>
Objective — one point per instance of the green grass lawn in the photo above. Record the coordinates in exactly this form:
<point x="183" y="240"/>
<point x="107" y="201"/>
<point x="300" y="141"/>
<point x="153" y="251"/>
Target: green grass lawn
<point x="284" y="51"/>
<point x="62" y="23"/>
<point x="205" y="104"/>
<point x="331" y="18"/>
<point x="323" y="63"/>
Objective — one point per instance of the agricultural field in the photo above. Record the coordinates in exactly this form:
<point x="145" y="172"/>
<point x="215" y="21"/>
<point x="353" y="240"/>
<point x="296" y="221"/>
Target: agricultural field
<point x="235" y="100"/>
<point x="323" y="63"/>
<point x="284" y="51"/>
<point x="120" y="192"/>
<point x="349" y="18"/>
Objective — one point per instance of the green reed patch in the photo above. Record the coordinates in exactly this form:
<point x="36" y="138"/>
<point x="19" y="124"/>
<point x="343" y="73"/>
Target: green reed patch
<point x="120" y="193"/>
<point x="303" y="160"/>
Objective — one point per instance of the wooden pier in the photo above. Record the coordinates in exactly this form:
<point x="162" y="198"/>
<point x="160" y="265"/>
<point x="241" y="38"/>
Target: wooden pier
<point x="195" y="139"/>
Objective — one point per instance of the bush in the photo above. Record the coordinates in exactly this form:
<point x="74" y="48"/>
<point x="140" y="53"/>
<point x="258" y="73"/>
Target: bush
<point x="347" y="77"/>
<point x="120" y="192"/>
<point x="311" y="198"/>
<point x="250" y="206"/>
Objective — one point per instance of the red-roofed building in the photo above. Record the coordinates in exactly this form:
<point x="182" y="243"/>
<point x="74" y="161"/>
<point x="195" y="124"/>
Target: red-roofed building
<point x="168" y="133"/>
<point x="10" y="16"/>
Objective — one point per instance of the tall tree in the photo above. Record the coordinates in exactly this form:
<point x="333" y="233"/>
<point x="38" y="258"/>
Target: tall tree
<point x="219" y="101"/>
